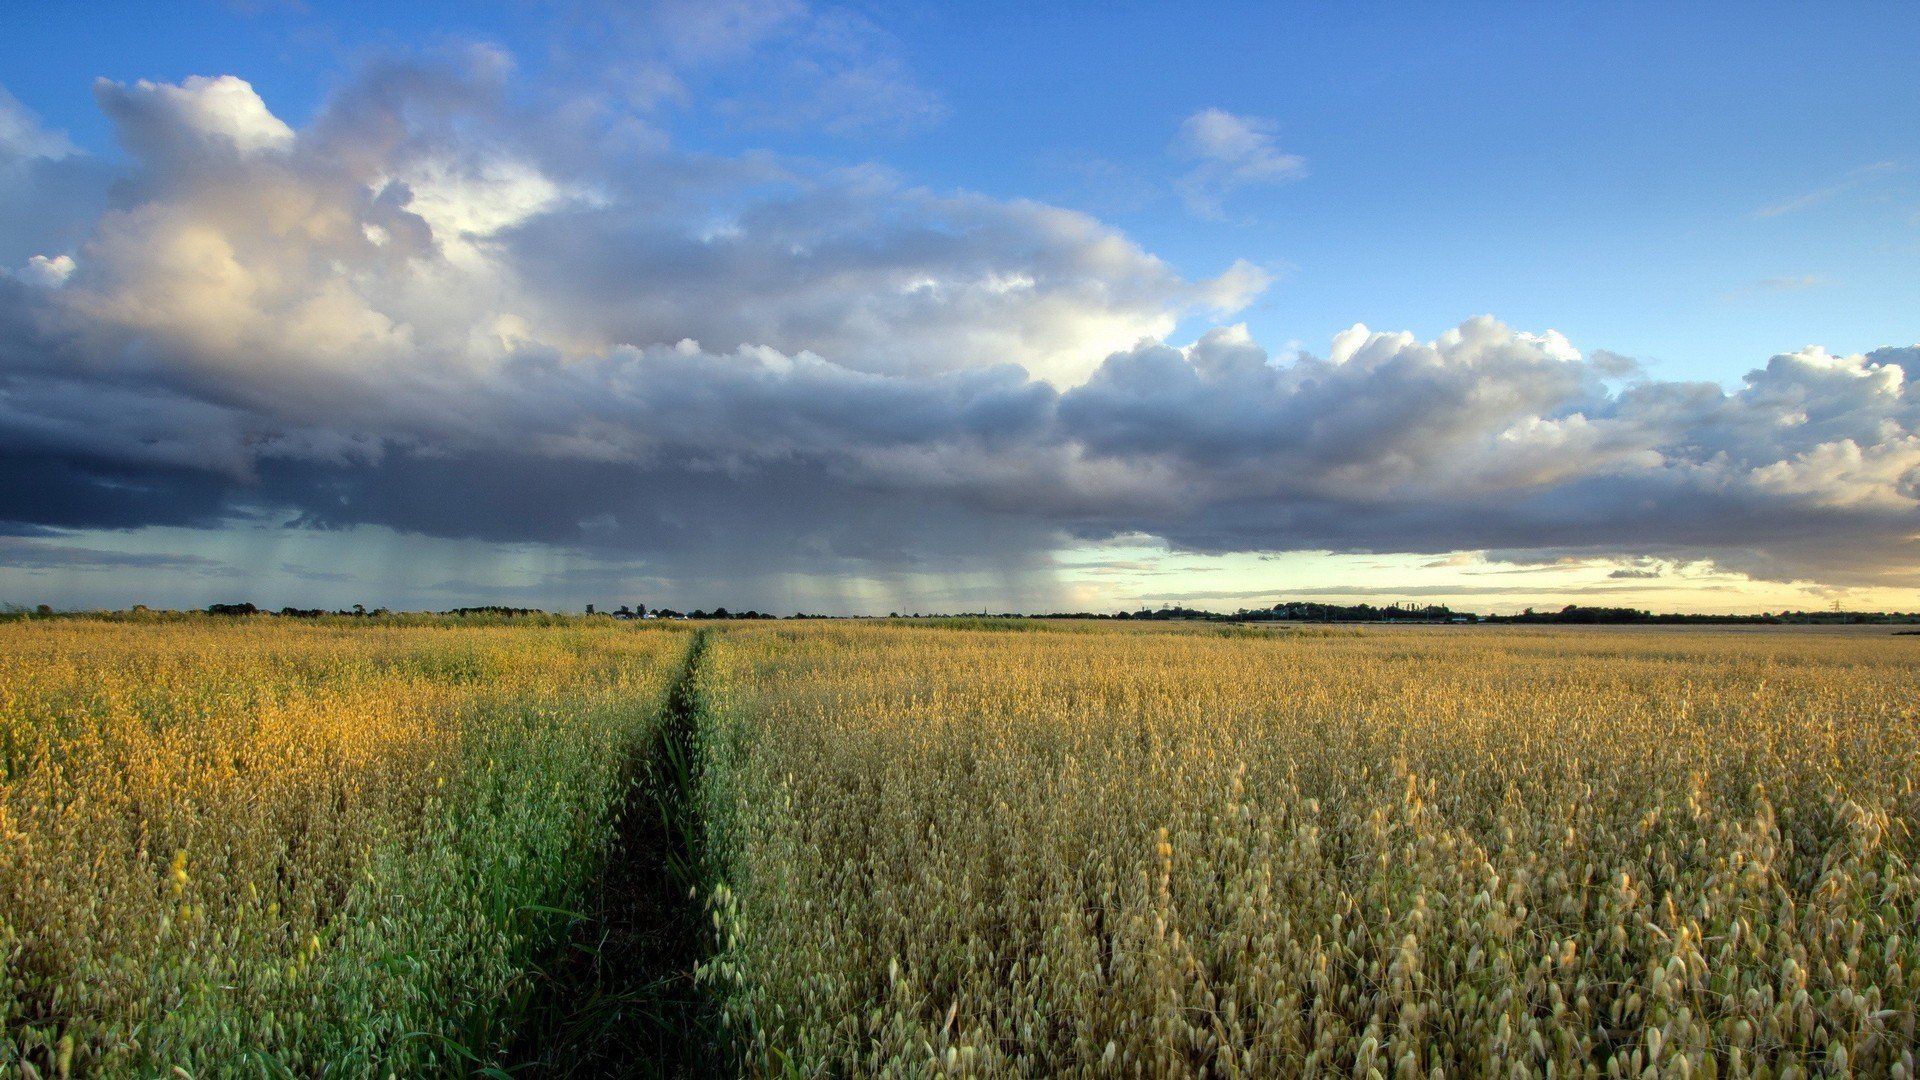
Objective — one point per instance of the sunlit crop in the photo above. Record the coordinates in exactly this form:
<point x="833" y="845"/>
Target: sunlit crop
<point x="1459" y="852"/>
<point x="259" y="847"/>
<point x="265" y="847"/>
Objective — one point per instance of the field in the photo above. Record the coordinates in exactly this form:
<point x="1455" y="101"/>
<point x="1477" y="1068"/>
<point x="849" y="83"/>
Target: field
<point x="282" y="849"/>
<point x="1087" y="849"/>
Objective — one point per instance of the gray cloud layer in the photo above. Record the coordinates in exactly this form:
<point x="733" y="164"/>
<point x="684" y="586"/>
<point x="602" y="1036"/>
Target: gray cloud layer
<point x="433" y="312"/>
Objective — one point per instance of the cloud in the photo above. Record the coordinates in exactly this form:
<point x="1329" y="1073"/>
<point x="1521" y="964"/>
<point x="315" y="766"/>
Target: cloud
<point x="23" y="137"/>
<point x="434" y="313"/>
<point x="759" y="64"/>
<point x="422" y="313"/>
<point x="842" y="75"/>
<point x="1491" y="437"/>
<point x="46" y="273"/>
<point x="878" y="276"/>
<point x="1827" y="193"/>
<point x="1232" y="152"/>
<point x="223" y="112"/>
<point x="23" y="554"/>
<point x="1384" y="592"/>
<point x="1793" y="284"/>
<point x="415" y="227"/>
<point x="700" y="30"/>
<point x="52" y="192"/>
<point x="1779" y="286"/>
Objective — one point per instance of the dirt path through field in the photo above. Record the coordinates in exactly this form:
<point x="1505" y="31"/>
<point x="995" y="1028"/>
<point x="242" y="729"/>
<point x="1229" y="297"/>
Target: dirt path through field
<point x="621" y="1000"/>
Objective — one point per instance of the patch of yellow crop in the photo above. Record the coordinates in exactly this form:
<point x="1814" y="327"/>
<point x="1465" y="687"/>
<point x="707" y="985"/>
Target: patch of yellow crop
<point x="1464" y="852"/>
<point x="247" y="846"/>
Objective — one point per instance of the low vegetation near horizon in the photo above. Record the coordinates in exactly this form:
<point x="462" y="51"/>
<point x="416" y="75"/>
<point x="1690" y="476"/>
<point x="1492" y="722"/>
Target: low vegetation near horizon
<point x="945" y="849"/>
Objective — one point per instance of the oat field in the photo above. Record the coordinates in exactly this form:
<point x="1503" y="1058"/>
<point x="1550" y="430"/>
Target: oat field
<point x="268" y="848"/>
<point x="261" y="848"/>
<point x="1403" y="853"/>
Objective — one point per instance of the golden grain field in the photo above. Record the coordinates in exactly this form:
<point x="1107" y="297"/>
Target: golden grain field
<point x="1455" y="852"/>
<point x="262" y="847"/>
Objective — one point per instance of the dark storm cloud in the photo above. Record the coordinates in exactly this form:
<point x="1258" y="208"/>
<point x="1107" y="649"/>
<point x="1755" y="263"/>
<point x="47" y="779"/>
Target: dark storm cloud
<point x="431" y="313"/>
<point x="39" y="555"/>
<point x="40" y="489"/>
<point x="816" y="521"/>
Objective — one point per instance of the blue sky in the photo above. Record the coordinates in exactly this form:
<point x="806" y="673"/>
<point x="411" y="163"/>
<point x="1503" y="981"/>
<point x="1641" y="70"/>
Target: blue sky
<point x="1694" y="188"/>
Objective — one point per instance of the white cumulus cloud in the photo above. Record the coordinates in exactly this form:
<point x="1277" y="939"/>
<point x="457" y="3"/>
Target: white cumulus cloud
<point x="223" y="110"/>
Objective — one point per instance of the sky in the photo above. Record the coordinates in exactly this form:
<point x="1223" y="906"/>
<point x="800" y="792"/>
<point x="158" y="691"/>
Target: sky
<point x="866" y="308"/>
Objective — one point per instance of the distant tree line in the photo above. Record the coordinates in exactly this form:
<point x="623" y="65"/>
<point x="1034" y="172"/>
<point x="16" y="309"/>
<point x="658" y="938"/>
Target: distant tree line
<point x="640" y="611"/>
<point x="1306" y="611"/>
<point x="357" y="611"/>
